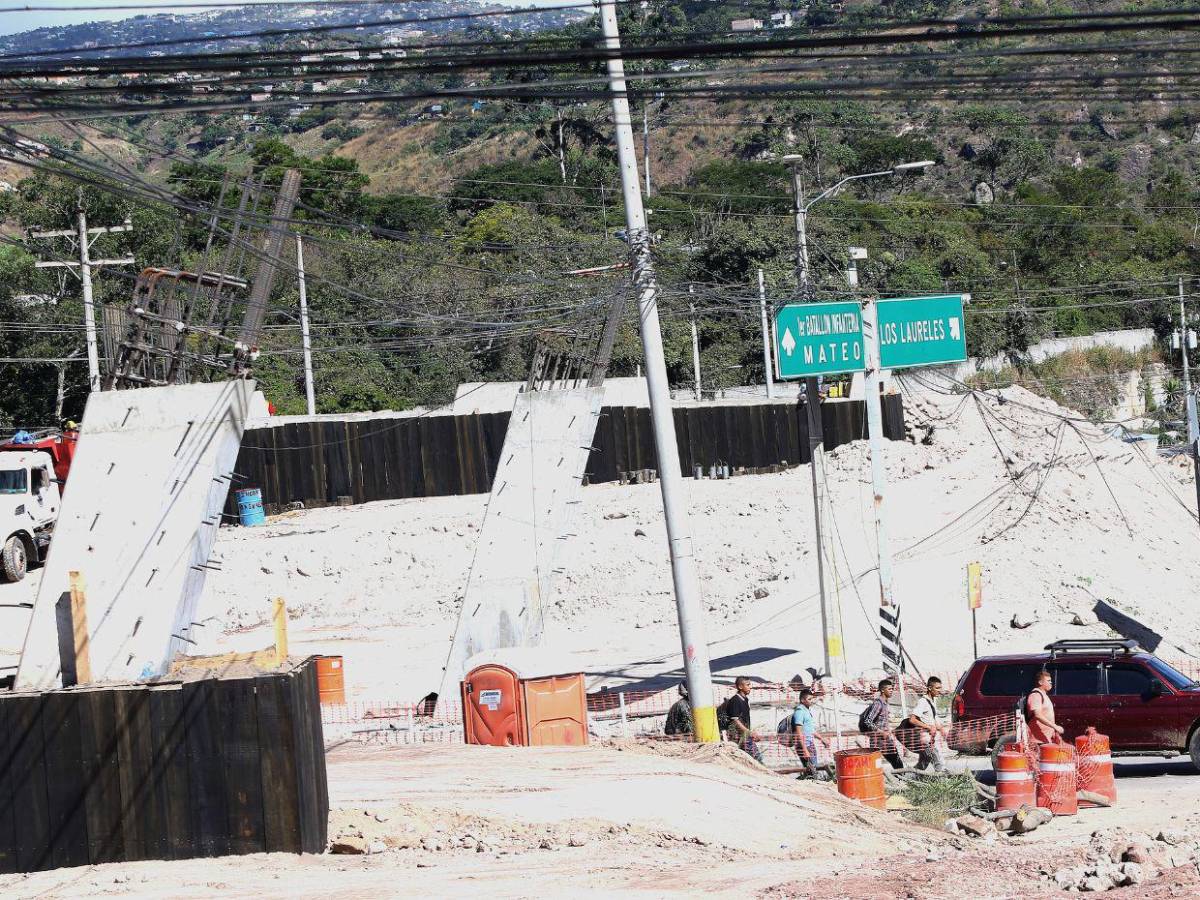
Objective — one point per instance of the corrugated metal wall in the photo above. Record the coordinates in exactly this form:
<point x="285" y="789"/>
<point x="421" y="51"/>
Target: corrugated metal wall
<point x="316" y="463"/>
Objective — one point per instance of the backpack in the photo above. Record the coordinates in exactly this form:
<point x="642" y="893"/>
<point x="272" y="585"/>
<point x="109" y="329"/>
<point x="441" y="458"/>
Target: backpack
<point x="864" y="725"/>
<point x="785" y="724"/>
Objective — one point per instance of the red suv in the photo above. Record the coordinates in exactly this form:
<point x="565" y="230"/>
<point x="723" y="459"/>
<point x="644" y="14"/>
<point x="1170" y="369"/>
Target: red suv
<point x="1132" y="696"/>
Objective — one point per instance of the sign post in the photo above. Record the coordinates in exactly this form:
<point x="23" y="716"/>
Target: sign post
<point x="871" y="336"/>
<point x="974" y="599"/>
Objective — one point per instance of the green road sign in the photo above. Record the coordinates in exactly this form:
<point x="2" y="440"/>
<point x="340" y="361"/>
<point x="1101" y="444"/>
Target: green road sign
<point x="819" y="339"/>
<point x="921" y="331"/>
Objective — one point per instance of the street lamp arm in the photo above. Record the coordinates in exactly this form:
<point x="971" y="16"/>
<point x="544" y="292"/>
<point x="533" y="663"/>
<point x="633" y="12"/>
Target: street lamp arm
<point x="829" y="192"/>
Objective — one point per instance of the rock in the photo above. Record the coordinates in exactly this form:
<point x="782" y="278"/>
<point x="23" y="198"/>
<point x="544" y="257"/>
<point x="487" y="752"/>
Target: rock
<point x="1096" y="884"/>
<point x="968" y="151"/>
<point x="300" y="571"/>
<point x="950" y="827"/>
<point x="1020" y="621"/>
<point x="1172" y="836"/>
<point x="1136" y="854"/>
<point x="376" y="847"/>
<point x="1131" y="873"/>
<point x="984" y="194"/>
<point x="616" y="515"/>
<point x="761" y="593"/>
<point x="975" y="826"/>
<point x="266" y="571"/>
<point x="547" y="844"/>
<point x="1196" y="135"/>
<point x="932" y="857"/>
<point x="432" y="844"/>
<point x="637" y="532"/>
<point x="380" y="817"/>
<point x="1084" y="617"/>
<point x="348" y="845"/>
<point x="1135" y="164"/>
<point x="468" y="842"/>
<point x="1068" y="878"/>
<point x="577" y="839"/>
<point x="1106" y="129"/>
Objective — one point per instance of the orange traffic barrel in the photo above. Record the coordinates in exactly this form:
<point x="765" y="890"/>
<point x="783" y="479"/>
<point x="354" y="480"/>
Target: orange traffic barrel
<point x="1056" y="790"/>
<point x="1015" y="784"/>
<point x="331" y="680"/>
<point x="860" y="776"/>
<point x="1094" y="766"/>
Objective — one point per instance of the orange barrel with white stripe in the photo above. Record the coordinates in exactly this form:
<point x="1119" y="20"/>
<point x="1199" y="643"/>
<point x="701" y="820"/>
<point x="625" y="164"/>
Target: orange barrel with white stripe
<point x="1015" y="784"/>
<point x="1093" y="763"/>
<point x="860" y="776"/>
<point x="1056" y="779"/>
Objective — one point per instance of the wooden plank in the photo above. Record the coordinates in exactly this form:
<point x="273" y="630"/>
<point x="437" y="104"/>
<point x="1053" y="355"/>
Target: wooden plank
<point x="679" y="419"/>
<point x="310" y="830"/>
<point x="102" y="773"/>
<point x="8" y="812"/>
<point x="65" y="786"/>
<point x="495" y="425"/>
<point x="243" y="771"/>
<point x="318" y="737"/>
<point x="336" y="459"/>
<point x="142" y="825"/>
<point x="168" y="725"/>
<point x="277" y="758"/>
<point x="29" y="783"/>
<point x="360" y="462"/>
<point x="206" y="770"/>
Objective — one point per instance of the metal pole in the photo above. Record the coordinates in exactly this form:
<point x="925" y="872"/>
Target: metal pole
<point x="89" y="308"/>
<point x="889" y="609"/>
<point x="816" y="433"/>
<point x="304" y="338"/>
<point x="766" y="336"/>
<point x="1189" y="398"/>
<point x="675" y="513"/>
<point x="646" y="142"/>
<point x="695" y="353"/>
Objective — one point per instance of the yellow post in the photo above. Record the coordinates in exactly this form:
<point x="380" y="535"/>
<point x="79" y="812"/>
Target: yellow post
<point x="79" y="628"/>
<point x="279" y="619"/>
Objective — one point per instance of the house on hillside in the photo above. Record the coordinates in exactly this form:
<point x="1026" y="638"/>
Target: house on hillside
<point x="781" y="20"/>
<point x="746" y="24"/>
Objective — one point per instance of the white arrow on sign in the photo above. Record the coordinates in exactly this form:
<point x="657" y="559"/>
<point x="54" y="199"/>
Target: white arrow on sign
<point x="787" y="342"/>
<point x="955" y="328"/>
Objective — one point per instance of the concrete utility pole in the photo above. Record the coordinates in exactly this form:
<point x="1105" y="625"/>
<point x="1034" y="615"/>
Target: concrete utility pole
<point x="695" y="351"/>
<point x="304" y="338"/>
<point x="889" y="610"/>
<point x="670" y="478"/>
<point x="84" y="237"/>
<point x="1189" y="398"/>
<point x="768" y="369"/>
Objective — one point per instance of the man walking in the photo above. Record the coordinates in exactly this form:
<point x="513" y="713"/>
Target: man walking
<point x="924" y="728"/>
<point x="874" y="721"/>
<point x="804" y="731"/>
<point x="679" y="716"/>
<point x="1039" y="712"/>
<point x="737" y="708"/>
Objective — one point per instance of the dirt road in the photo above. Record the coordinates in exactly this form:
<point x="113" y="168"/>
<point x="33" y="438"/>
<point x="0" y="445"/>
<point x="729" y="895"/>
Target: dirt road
<point x="632" y="820"/>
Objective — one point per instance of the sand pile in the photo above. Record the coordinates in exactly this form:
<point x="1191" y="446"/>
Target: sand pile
<point x="1060" y="515"/>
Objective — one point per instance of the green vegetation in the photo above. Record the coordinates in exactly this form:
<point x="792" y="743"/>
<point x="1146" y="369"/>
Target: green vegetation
<point x="936" y="798"/>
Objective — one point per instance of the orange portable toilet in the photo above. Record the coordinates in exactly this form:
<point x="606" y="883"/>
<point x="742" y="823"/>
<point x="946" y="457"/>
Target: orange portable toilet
<point x="520" y="696"/>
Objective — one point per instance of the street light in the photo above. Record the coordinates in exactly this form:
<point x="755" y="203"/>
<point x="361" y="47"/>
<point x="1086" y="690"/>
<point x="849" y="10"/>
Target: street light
<point x="831" y="637"/>
<point x="802" y="207"/>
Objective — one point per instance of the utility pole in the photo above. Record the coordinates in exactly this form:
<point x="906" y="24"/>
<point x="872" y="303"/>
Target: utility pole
<point x="889" y="609"/>
<point x="84" y="237"/>
<point x="1185" y="336"/>
<point x="646" y="142"/>
<point x="304" y="339"/>
<point x="766" y="336"/>
<point x="816" y="431"/>
<point x="670" y="478"/>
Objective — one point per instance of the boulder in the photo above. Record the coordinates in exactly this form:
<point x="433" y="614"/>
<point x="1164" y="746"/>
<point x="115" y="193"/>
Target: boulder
<point x="348" y="845"/>
<point x="984" y="194"/>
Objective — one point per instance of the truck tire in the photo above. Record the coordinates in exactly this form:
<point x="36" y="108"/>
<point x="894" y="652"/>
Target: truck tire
<point x="1194" y="748"/>
<point x="14" y="561"/>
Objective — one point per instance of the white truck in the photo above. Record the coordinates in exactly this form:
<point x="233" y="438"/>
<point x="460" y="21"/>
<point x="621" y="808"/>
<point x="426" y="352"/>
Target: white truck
<point x="30" y="475"/>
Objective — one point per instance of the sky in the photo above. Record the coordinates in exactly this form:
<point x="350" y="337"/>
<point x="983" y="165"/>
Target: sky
<point x="14" y="22"/>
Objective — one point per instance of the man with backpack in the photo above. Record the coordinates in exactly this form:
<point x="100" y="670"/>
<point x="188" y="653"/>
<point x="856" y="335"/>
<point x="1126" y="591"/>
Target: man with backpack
<point x="874" y="721"/>
<point x="923" y="728"/>
<point x="1039" y="711"/>
<point x="804" y="732"/>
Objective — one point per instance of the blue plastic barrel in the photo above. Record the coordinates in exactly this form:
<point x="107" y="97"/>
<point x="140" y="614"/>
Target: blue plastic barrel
<point x="250" y="508"/>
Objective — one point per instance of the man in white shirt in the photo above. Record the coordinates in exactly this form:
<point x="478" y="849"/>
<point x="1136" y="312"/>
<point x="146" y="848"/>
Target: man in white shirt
<point x="924" y="728"/>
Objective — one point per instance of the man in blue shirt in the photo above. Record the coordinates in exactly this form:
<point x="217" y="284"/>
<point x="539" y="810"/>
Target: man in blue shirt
<point x="804" y="730"/>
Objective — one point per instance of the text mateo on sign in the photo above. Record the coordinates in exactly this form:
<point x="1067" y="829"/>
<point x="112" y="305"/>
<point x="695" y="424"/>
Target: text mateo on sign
<point x="830" y="325"/>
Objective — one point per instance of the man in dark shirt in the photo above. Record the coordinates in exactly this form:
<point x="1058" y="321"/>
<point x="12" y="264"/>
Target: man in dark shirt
<point x="737" y="708"/>
<point x="874" y="721"/>
<point x="679" y="716"/>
